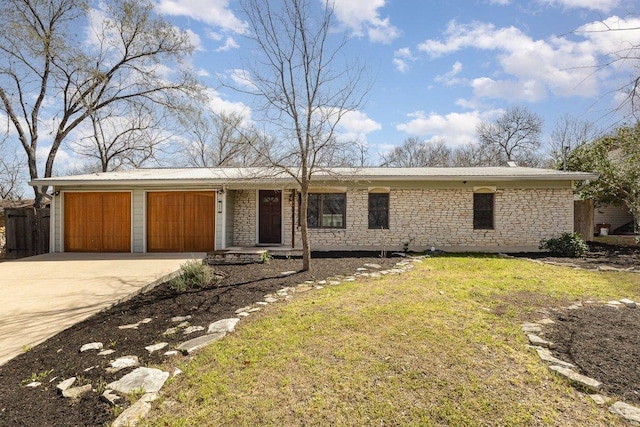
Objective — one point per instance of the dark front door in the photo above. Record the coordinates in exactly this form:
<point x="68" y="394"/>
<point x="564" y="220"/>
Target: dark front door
<point x="270" y="216"/>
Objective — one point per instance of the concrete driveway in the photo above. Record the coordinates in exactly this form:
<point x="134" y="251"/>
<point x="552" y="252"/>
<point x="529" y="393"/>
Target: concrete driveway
<point x="43" y="295"/>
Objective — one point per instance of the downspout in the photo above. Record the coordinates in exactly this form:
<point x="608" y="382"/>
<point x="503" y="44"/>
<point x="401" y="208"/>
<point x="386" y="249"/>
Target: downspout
<point x="293" y="219"/>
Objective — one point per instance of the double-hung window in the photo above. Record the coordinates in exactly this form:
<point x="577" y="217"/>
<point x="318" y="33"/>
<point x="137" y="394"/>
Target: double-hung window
<point x="378" y="210"/>
<point x="483" y="210"/>
<point x="326" y="210"/>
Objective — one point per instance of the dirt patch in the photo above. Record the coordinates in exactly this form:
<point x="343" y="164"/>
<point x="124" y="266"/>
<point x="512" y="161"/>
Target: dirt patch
<point x="603" y="342"/>
<point x="59" y="358"/>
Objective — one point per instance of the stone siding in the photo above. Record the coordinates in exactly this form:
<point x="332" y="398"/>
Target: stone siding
<point x="426" y="218"/>
<point x="244" y="218"/>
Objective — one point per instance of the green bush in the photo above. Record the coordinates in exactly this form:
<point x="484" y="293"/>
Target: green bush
<point x="193" y="274"/>
<point x="567" y="245"/>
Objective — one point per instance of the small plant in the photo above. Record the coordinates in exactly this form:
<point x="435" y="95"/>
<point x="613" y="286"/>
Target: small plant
<point x="265" y="257"/>
<point x="136" y="394"/>
<point x="26" y="348"/>
<point x="566" y="245"/>
<point x="112" y="343"/>
<point x="37" y="377"/>
<point x="405" y="247"/>
<point x="193" y="274"/>
<point x="100" y="386"/>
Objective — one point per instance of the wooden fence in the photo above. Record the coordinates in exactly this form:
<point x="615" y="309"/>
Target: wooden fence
<point x="583" y="218"/>
<point x="27" y="232"/>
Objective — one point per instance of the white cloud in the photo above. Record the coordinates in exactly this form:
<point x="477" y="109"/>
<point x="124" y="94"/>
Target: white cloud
<point x="363" y="17"/>
<point x="359" y="123"/>
<point x="229" y="44"/>
<point x="613" y="36"/>
<point x="453" y="128"/>
<point x="201" y="72"/>
<point x="220" y="105"/>
<point x="354" y="126"/>
<point x="531" y="69"/>
<point x="449" y="78"/>
<point x="242" y="78"/>
<point x="600" y="5"/>
<point x="212" y="12"/>
<point x="194" y="38"/>
<point x="500" y="2"/>
<point x="401" y="59"/>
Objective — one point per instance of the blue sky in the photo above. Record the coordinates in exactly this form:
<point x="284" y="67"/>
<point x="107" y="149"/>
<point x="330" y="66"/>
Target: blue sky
<point x="443" y="66"/>
<point x="438" y="67"/>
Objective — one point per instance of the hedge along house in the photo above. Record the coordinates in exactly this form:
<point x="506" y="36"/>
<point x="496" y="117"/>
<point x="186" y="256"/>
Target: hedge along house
<point x="489" y="209"/>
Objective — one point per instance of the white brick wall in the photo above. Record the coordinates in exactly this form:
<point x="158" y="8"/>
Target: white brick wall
<point x="442" y="218"/>
<point x="244" y="218"/>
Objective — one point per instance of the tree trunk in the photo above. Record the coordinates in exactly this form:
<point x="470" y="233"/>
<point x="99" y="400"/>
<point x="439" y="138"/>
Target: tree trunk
<point x="304" y="227"/>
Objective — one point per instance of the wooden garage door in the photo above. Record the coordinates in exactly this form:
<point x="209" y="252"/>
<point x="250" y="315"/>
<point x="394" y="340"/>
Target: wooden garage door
<point x="181" y="221"/>
<point x="97" y="222"/>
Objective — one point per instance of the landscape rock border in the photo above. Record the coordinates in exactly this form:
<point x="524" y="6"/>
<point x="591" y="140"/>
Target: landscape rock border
<point x="565" y="369"/>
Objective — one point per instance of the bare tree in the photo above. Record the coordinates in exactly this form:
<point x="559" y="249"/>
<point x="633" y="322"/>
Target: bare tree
<point x="125" y="139"/>
<point x="304" y="86"/>
<point x="513" y="136"/>
<point x="470" y="155"/>
<point x="416" y="153"/>
<point x="11" y="172"/>
<point x="627" y="52"/>
<point x="50" y="73"/>
<point x="223" y="140"/>
<point x="569" y="133"/>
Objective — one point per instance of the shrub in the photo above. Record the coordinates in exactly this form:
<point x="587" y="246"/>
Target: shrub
<point x="193" y="274"/>
<point x="567" y="245"/>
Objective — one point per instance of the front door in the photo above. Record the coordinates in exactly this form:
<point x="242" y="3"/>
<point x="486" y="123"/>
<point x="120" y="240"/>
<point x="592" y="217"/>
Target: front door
<point x="270" y="207"/>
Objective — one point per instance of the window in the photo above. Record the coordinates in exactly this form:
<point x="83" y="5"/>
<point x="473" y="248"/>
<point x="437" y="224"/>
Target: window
<point x="378" y="210"/>
<point x="326" y="210"/>
<point x="483" y="211"/>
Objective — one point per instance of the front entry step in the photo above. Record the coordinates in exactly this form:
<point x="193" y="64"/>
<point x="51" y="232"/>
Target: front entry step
<point x="237" y="256"/>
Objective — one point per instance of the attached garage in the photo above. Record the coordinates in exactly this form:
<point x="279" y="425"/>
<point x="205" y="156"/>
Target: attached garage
<point x="97" y="222"/>
<point x="181" y="221"/>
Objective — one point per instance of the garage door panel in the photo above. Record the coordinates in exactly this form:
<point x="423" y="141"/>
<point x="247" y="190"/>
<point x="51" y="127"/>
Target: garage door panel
<point x="97" y="222"/>
<point x="116" y="222"/>
<point x="163" y="222"/>
<point x="82" y="222"/>
<point x="180" y="221"/>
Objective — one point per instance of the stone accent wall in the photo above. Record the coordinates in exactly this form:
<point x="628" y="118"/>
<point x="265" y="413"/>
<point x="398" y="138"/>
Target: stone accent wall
<point x="244" y="218"/>
<point x="425" y="218"/>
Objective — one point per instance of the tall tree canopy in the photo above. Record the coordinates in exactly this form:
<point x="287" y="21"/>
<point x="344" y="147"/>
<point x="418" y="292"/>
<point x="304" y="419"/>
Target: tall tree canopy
<point x="616" y="159"/>
<point x="62" y="63"/>
<point x="416" y="153"/>
<point x="512" y="136"/>
<point x="568" y="134"/>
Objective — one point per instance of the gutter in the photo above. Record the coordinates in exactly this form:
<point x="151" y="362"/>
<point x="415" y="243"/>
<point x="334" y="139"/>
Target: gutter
<point x="575" y="176"/>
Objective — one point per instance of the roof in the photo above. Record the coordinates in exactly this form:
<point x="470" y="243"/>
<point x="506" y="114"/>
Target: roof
<point x="226" y="175"/>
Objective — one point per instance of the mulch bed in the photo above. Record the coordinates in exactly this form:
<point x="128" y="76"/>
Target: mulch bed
<point x="603" y="342"/>
<point x="599" y="255"/>
<point x="238" y="286"/>
<point x="600" y="340"/>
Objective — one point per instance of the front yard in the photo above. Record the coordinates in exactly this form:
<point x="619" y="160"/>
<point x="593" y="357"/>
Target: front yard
<point x="441" y="345"/>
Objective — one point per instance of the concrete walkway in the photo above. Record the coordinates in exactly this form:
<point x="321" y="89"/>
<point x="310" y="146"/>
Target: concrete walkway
<point x="43" y="295"/>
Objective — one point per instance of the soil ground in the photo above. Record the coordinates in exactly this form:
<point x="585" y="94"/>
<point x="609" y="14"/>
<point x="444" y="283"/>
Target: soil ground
<point x="59" y="358"/>
<point x="598" y="339"/>
<point x="603" y="343"/>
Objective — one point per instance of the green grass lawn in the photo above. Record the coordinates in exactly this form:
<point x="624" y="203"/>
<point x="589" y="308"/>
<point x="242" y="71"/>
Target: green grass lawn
<point x="440" y="345"/>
